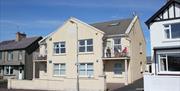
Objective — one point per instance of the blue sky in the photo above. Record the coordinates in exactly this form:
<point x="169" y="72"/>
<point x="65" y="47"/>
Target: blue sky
<point x="41" y="17"/>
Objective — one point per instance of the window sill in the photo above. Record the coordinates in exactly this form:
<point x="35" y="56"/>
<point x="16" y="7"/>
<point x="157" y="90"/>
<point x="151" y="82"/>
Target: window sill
<point x="172" y="40"/>
<point x="63" y="76"/>
<point x="87" y="77"/>
<point x="9" y="75"/>
<point x="60" y="54"/>
<point x="85" y="53"/>
<point x="168" y="73"/>
<point x="118" y="76"/>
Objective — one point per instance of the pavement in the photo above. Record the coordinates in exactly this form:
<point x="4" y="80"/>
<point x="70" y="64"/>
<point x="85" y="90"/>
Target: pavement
<point x="136" y="86"/>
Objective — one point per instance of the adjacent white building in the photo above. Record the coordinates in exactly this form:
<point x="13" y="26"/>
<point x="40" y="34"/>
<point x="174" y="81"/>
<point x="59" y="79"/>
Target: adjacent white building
<point x="164" y="28"/>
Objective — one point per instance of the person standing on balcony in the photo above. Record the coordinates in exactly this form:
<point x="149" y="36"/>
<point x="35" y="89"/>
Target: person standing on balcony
<point x="108" y="52"/>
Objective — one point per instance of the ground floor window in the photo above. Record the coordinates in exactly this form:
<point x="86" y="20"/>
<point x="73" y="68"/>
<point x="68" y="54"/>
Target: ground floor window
<point x="86" y="69"/>
<point x="169" y="62"/>
<point x="118" y="68"/>
<point x="59" y="69"/>
<point x="8" y="70"/>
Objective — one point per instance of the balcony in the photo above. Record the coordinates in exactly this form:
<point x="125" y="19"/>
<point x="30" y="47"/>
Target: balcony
<point x="39" y="58"/>
<point x="116" y="52"/>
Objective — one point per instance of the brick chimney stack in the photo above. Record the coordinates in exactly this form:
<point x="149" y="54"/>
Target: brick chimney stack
<point x="20" y="36"/>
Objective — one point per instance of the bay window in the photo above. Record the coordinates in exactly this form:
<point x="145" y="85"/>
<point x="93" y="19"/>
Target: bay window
<point x="169" y="62"/>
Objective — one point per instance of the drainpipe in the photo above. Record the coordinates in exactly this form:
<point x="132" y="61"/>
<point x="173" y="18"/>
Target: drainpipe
<point x="77" y="60"/>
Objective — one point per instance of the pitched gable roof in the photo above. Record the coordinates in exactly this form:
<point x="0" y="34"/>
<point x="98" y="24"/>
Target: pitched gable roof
<point x="12" y="44"/>
<point x="113" y="27"/>
<point x="162" y="9"/>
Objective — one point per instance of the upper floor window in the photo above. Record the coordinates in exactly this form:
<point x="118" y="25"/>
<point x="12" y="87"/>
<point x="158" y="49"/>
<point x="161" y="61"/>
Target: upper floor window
<point x="86" y="69"/>
<point x="86" y="45"/>
<point x="169" y="62"/>
<point x="172" y="31"/>
<point x="0" y="55"/>
<point x="10" y="55"/>
<point x="20" y="55"/>
<point x="59" y="47"/>
<point x="59" y="69"/>
<point x="117" y="45"/>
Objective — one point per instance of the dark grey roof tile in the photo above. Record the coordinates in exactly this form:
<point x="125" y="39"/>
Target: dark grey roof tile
<point x="113" y="27"/>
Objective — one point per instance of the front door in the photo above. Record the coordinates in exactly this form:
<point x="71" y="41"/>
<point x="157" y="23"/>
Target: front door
<point x="20" y="73"/>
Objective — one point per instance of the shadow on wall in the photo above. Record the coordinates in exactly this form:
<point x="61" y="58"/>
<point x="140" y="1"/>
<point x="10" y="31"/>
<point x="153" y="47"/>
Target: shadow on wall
<point x="135" y="86"/>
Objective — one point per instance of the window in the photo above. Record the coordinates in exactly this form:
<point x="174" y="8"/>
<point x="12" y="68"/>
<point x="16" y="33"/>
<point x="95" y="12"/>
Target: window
<point x="117" y="68"/>
<point x="59" y="69"/>
<point x="8" y="70"/>
<point x="10" y="55"/>
<point x="169" y="62"/>
<point x="172" y="31"/>
<point x="86" y="69"/>
<point x="86" y="45"/>
<point x="59" y="47"/>
<point x="0" y="55"/>
<point x="20" y="55"/>
<point x="117" y="45"/>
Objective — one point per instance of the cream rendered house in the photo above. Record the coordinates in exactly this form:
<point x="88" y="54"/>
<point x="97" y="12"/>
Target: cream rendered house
<point x="111" y="52"/>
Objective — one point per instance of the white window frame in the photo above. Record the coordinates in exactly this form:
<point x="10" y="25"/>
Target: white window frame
<point x="20" y="55"/>
<point x="59" y="44"/>
<point x="170" y="34"/>
<point x="159" y="66"/>
<point x="86" y="70"/>
<point x="116" y="44"/>
<point x="85" y="45"/>
<point x="10" y="55"/>
<point x="9" y="70"/>
<point x="59" y="69"/>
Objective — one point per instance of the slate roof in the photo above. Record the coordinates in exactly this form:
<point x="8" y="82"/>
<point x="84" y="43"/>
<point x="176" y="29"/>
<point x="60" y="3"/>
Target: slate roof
<point x="113" y="27"/>
<point x="13" y="44"/>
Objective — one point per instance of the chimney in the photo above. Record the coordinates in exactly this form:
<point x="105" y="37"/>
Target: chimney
<point x="20" y="36"/>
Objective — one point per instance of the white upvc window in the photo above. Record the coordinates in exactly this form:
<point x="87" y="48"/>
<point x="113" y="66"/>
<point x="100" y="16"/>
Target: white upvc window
<point x="117" y="45"/>
<point x="169" y="62"/>
<point x="8" y="70"/>
<point x="172" y="31"/>
<point x="10" y="56"/>
<point x="118" y="69"/>
<point x="86" y="45"/>
<point x="86" y="69"/>
<point x="59" y="47"/>
<point x="20" y="55"/>
<point x="59" y="69"/>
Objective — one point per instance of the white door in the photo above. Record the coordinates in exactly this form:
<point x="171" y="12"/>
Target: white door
<point x="20" y="74"/>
